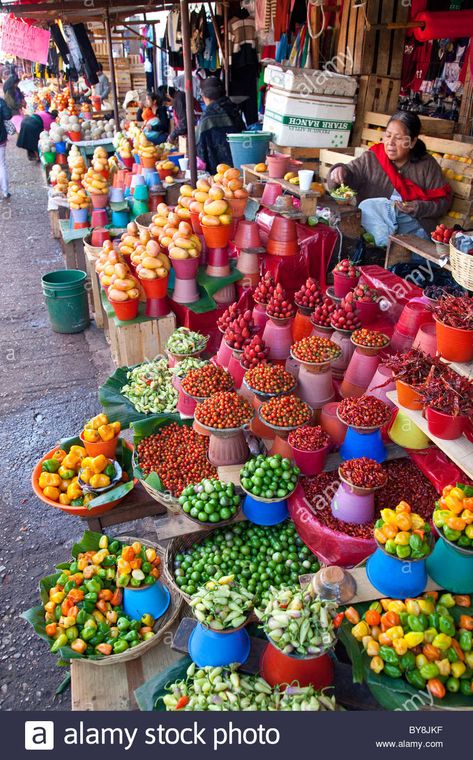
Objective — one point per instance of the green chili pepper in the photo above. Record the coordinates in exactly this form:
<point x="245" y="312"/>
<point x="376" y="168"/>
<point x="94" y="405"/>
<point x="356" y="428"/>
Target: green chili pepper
<point x="149" y="580"/>
<point x="447" y="600"/>
<point x="390" y="546"/>
<point x="97" y="639"/>
<point x="78" y="502"/>
<point x="93" y="585"/>
<point x="429" y="671"/>
<point x="68" y="586"/>
<point x="379" y="523"/>
<point x="123" y="580"/>
<point x="89" y="606"/>
<point x="73" y="567"/>
<point x="407" y="661"/>
<point x="465" y="687"/>
<point x="451" y="535"/>
<point x="416" y="623"/>
<point x="101" y="573"/>
<point x="72" y="633"/>
<point x="88" y="634"/>
<point x="434" y="620"/>
<point x="119" y="646"/>
<point x="465" y="640"/>
<point x="68" y="474"/>
<point x="135" y="625"/>
<point x="103" y="627"/>
<point x="464" y="541"/>
<point x="50" y="465"/>
<point x="467" y="490"/>
<point x="415" y="679"/>
<point x="453" y="684"/>
<point x="403" y="551"/>
<point x="109" y="561"/>
<point x="61" y="641"/>
<point x="452" y="655"/>
<point x="114" y="547"/>
<point x="123" y="624"/>
<point x="146" y="567"/>
<point x="62" y="580"/>
<point x="132" y="636"/>
<point x="392" y="671"/>
<point x="403" y="617"/>
<point x="388" y="655"/>
<point x="57" y="612"/>
<point x="447" y="626"/>
<point x="82" y="616"/>
<point x="91" y="596"/>
<point x="415" y="542"/>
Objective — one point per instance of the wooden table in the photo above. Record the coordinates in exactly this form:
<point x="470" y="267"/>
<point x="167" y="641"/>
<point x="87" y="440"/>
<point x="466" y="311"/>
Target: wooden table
<point x="401" y="247"/>
<point x="111" y="687"/>
<point x="135" y="506"/>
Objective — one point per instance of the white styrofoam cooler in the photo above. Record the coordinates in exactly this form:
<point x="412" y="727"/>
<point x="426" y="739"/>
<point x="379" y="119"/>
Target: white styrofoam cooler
<point x="312" y="122"/>
<point x="307" y="82"/>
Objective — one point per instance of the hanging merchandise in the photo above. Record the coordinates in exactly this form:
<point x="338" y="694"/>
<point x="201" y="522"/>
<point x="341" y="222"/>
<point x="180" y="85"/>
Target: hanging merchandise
<point x="244" y="64"/>
<point x="207" y="58"/>
<point x="60" y="42"/>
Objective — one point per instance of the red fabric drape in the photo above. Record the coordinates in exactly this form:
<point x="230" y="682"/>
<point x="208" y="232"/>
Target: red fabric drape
<point x="407" y="189"/>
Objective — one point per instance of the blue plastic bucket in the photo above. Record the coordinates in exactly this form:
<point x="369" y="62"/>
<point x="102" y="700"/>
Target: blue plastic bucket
<point x="396" y="578"/>
<point x="120" y="219"/>
<point x="249" y="147"/>
<point x="175" y="158"/>
<point x="61" y="147"/>
<point x="154" y="600"/>
<point x="264" y="512"/>
<point x="217" y="649"/>
<point x="363" y="445"/>
<point x="79" y="215"/>
<point x="450" y="568"/>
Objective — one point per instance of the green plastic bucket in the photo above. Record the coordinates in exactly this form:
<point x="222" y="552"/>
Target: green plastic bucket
<point x="249" y="147"/>
<point x="66" y="299"/>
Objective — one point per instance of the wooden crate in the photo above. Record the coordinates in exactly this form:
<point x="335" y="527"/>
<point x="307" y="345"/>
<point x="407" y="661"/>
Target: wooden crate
<point x="95" y="293"/>
<point x="461" y="213"/>
<point x="330" y="157"/>
<point x="377" y="94"/>
<point x="430" y="126"/>
<point x="381" y="49"/>
<point x="134" y="343"/>
<point x="308" y="156"/>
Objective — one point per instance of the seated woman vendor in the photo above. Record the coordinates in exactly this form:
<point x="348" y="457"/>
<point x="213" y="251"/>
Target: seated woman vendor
<point x="400" y="187"/>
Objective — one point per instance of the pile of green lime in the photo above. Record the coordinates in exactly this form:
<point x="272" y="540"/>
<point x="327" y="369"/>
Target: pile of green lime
<point x="210" y="501"/>
<point x="269" y="477"/>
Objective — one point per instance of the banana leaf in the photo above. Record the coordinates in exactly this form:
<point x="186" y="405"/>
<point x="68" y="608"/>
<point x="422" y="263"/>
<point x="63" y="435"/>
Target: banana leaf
<point x="396" y="693"/>
<point x="147" y="695"/>
<point x="124" y="458"/>
<point x="119" y="408"/>
<point x="143" y="429"/>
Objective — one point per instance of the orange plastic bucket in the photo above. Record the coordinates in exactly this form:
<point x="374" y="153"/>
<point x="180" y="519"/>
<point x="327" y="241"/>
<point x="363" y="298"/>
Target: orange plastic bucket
<point x="126" y="310"/>
<point x="407" y="396"/>
<point x="107" y="448"/>
<point x="217" y="237"/>
<point x="453" y="343"/>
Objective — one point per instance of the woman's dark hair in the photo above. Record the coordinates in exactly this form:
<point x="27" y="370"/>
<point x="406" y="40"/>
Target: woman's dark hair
<point x="54" y="113"/>
<point x="155" y="97"/>
<point x="413" y="126"/>
<point x="212" y="88"/>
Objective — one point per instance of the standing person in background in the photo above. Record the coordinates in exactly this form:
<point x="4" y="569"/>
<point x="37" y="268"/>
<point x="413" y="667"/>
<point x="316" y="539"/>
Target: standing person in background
<point x="31" y="128"/>
<point x="149" y="73"/>
<point x="5" y="115"/>
<point x="102" y="88"/>
<point x="155" y="119"/>
<point x="220" y="118"/>
<point x="179" y="105"/>
<point x="13" y="95"/>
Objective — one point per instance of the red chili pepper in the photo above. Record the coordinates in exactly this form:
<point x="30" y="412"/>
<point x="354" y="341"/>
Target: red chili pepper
<point x="182" y="702"/>
<point x="338" y="620"/>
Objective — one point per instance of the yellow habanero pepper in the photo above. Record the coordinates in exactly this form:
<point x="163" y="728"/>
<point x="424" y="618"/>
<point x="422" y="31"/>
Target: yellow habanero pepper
<point x="453" y="504"/>
<point x="106" y="432"/>
<point x="395" y="632"/>
<point x="74" y="491"/>
<point x="49" y="479"/>
<point x="417" y="522"/>
<point x="402" y="538"/>
<point x="458" y="668"/>
<point x="400" y="646"/>
<point x="90" y="435"/>
<point x="442" y="641"/>
<point x="412" y="607"/>
<point x="88" y="498"/>
<point x="85" y="474"/>
<point x="116" y="426"/>
<point x="396" y="606"/>
<point x="59" y="454"/>
<point x="376" y="664"/>
<point x="360" y="630"/>
<point x="426" y="606"/>
<point x="457" y="493"/>
<point x="444" y="667"/>
<point x="99" y="463"/>
<point x="51" y="492"/>
<point x="71" y="461"/>
<point x="64" y="499"/>
<point x="388" y="515"/>
<point x="79" y="450"/>
<point x="467" y="516"/>
<point x="96" y="422"/>
<point x="99" y="481"/>
<point x="414" y="638"/>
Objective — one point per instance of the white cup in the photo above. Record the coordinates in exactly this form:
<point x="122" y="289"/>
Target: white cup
<point x="305" y="179"/>
<point x="183" y="164"/>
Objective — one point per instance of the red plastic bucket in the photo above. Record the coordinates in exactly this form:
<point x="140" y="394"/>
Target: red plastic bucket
<point x="157" y="288"/>
<point x="445" y="426"/>
<point x="310" y="462"/>
<point x="454" y="344"/>
<point x="277" y="668"/>
<point x="277" y="165"/>
<point x="126" y="310"/>
<point x="342" y="284"/>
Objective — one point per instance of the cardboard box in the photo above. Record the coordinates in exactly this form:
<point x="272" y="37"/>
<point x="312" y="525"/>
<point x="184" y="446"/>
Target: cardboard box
<point x="306" y="82"/>
<point x="313" y="122"/>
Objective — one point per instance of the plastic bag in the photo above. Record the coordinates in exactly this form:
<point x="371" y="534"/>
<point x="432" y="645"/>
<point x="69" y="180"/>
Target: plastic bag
<point x="394" y="291"/>
<point x="438" y="468"/>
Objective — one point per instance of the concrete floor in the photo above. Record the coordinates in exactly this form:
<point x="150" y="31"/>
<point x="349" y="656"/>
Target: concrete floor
<point x="48" y="389"/>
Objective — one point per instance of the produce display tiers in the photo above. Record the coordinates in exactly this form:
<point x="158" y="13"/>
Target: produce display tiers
<point x="249" y="175"/>
<point x="138" y="339"/>
<point x="95" y="292"/>
<point x="94" y="687"/>
<point x="174" y="525"/>
<point x="135" y="506"/>
<point x="400" y="248"/>
<point x="459" y="451"/>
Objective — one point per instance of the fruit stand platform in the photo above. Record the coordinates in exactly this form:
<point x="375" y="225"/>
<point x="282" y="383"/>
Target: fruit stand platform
<point x="401" y="247"/>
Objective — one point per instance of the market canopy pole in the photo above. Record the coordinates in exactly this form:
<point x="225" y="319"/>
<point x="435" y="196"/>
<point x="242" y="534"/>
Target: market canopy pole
<point x="226" y="46"/>
<point x="108" y="32"/>
<point x="186" y="51"/>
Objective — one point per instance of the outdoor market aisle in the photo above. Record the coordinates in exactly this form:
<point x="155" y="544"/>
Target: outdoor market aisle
<point x="49" y="388"/>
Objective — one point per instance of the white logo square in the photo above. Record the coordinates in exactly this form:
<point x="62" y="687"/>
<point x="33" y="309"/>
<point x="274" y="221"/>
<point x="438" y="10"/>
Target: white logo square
<point x="39" y="734"/>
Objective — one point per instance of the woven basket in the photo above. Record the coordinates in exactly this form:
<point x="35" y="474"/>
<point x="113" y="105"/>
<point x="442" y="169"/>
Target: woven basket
<point x="165" y="622"/>
<point x="462" y="267"/>
<point x="162" y="497"/>
<point x="177" y="545"/>
<point x="92" y="250"/>
<point x="144" y="220"/>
